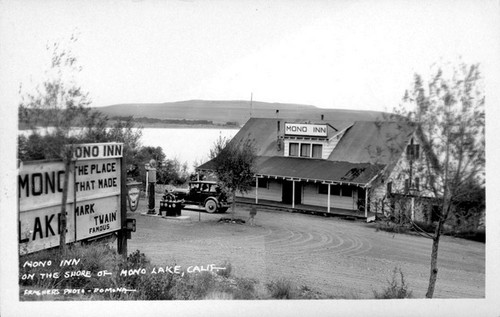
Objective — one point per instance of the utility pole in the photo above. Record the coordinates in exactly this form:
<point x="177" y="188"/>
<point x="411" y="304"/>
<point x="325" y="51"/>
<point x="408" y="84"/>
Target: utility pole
<point x="251" y="105"/>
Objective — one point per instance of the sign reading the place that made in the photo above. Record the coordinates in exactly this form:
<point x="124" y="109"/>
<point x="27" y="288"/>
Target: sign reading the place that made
<point x="93" y="198"/>
<point x="97" y="178"/>
<point x="303" y="129"/>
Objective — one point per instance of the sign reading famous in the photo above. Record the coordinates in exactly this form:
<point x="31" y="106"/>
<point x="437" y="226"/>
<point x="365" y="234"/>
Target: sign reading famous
<point x="303" y="129"/>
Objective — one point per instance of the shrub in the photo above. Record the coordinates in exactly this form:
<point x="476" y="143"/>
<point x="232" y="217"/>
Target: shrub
<point x="161" y="286"/>
<point x="227" y="272"/>
<point x="282" y="289"/>
<point x="242" y="288"/>
<point x="91" y="258"/>
<point x="156" y="287"/>
<point x="219" y="296"/>
<point x="395" y="289"/>
<point x="306" y="293"/>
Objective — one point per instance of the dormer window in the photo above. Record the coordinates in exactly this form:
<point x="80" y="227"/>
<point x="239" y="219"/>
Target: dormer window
<point x="305" y="149"/>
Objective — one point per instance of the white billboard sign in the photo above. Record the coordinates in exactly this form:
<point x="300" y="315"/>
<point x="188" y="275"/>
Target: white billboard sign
<point x="303" y="129"/>
<point x="93" y="200"/>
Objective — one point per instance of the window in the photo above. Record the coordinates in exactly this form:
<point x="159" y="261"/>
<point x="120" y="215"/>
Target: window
<point x="317" y="151"/>
<point x="305" y="150"/>
<point x="389" y="188"/>
<point x="346" y="191"/>
<point x="415" y="185"/>
<point x="334" y="189"/>
<point x="323" y="189"/>
<point x="262" y="183"/>
<point x="413" y="151"/>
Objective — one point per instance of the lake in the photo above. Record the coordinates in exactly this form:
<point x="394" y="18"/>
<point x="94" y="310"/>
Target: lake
<point x="185" y="144"/>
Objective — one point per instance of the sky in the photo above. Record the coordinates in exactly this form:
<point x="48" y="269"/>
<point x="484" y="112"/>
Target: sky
<point x="331" y="54"/>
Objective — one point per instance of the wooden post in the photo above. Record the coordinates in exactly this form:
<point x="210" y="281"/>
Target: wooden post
<point x="74" y="198"/>
<point x="366" y="202"/>
<point x="328" y="208"/>
<point x="122" y="233"/>
<point x="147" y="184"/>
<point x="293" y="193"/>
<point x="413" y="209"/>
<point x="256" y="189"/>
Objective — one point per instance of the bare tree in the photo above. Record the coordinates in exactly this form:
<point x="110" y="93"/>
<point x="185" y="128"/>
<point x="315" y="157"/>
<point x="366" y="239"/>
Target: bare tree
<point x="450" y="118"/>
<point x="234" y="165"/>
<point x="58" y="105"/>
<point x="58" y="115"/>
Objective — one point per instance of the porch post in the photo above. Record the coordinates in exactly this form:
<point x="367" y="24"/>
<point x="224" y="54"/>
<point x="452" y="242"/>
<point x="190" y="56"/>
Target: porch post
<point x="328" y="208"/>
<point x="413" y="209"/>
<point x="366" y="202"/>
<point x="293" y="193"/>
<point x="256" y="189"/>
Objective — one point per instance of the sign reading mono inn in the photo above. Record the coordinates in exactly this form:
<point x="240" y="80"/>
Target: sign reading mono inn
<point x="93" y="203"/>
<point x="305" y="129"/>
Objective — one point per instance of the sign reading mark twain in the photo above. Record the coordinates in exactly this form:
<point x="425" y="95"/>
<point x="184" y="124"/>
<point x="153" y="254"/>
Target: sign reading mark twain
<point x="93" y="203"/>
<point x="302" y="129"/>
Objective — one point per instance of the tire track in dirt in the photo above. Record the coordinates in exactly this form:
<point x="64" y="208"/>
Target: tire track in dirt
<point x="326" y="254"/>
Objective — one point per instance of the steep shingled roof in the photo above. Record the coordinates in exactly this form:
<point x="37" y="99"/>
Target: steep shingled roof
<point x="264" y="132"/>
<point x="365" y="148"/>
<point x="372" y="142"/>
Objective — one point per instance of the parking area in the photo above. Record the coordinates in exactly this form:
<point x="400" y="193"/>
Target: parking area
<point x="331" y="255"/>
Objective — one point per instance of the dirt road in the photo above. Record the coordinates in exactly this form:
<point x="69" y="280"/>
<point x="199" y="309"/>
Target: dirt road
<point x="334" y="256"/>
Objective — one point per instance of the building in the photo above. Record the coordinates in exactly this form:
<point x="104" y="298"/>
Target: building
<point x="358" y="167"/>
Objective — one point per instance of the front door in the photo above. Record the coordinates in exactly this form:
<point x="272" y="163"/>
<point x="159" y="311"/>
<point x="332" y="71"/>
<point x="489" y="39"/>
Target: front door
<point x="287" y="193"/>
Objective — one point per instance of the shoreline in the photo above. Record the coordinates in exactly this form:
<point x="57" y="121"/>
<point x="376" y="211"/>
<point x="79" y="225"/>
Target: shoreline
<point x="166" y="126"/>
<point x="185" y="126"/>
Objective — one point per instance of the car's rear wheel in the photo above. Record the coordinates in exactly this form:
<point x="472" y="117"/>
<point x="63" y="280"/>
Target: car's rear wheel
<point x="211" y="206"/>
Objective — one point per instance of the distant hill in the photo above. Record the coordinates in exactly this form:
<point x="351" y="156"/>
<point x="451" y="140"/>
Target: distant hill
<point x="221" y="112"/>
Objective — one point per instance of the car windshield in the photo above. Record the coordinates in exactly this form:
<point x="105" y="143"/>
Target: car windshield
<point x="203" y="187"/>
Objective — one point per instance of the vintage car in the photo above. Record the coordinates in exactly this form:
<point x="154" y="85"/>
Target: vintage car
<point x="204" y="194"/>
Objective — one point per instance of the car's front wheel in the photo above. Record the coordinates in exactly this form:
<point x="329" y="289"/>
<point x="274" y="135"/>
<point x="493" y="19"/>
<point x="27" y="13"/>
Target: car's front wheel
<point x="211" y="206"/>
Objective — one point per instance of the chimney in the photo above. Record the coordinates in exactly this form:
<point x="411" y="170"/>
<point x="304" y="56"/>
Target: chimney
<point x="322" y="117"/>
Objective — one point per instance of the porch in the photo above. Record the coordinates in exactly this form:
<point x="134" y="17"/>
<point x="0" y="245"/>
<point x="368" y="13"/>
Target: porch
<point x="309" y="209"/>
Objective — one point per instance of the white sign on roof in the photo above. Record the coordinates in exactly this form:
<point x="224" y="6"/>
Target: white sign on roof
<point x="303" y="129"/>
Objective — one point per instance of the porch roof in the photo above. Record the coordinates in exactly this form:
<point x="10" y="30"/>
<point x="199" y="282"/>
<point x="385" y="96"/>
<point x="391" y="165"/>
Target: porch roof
<point x="316" y="170"/>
